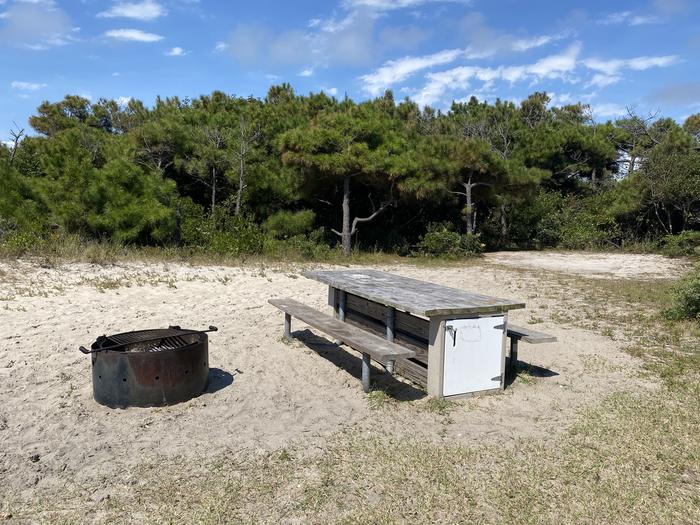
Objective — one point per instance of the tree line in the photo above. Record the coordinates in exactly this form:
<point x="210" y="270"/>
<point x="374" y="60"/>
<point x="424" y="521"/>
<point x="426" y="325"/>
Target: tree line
<point x="237" y="175"/>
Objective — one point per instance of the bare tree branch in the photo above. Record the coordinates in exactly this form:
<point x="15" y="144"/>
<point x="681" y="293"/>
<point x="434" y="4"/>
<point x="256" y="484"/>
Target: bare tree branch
<point x="16" y="135"/>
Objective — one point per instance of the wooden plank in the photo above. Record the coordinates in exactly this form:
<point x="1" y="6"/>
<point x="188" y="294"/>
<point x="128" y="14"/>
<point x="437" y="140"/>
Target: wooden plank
<point x="378" y="347"/>
<point x="415" y="372"/>
<point x="412" y="325"/>
<point x="412" y="295"/>
<point x="529" y="336"/>
<point x="419" y="347"/>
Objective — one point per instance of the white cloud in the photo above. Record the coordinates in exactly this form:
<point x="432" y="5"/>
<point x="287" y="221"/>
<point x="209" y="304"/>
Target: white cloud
<point x="486" y="41"/>
<point x="642" y="63"/>
<point x="530" y="43"/>
<point x="306" y="72"/>
<point x="144" y="11"/>
<point x="389" y="5"/>
<point x="602" y="80"/>
<point x="395" y="71"/>
<point x="351" y="38"/>
<point x="36" y="25"/>
<point x="673" y="7"/>
<point x="176" y="52"/>
<point x="331" y="91"/>
<point x="123" y="101"/>
<point x="26" y="86"/>
<point x="628" y="18"/>
<point x="554" y="66"/>
<point x="220" y="47"/>
<point x="560" y="99"/>
<point x="133" y="35"/>
<point x="609" y="109"/>
<point x="611" y="68"/>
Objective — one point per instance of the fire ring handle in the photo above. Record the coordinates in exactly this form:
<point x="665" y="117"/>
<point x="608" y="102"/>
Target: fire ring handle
<point x="88" y="351"/>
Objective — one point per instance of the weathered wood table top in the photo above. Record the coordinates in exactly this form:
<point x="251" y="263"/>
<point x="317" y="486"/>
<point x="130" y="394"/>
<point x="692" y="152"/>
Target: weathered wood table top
<point x="412" y="295"/>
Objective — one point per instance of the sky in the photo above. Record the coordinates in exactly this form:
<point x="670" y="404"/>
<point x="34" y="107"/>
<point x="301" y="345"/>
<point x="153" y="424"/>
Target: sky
<point x="612" y="55"/>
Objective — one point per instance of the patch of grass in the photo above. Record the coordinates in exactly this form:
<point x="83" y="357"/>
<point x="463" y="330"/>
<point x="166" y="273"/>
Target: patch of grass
<point x="379" y="399"/>
<point x="442" y="407"/>
<point x="633" y="459"/>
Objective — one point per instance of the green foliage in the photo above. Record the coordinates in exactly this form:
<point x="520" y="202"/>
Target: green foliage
<point x="522" y="176"/>
<point x="237" y="236"/>
<point x="285" y="224"/>
<point x="584" y="227"/>
<point x="442" y="241"/>
<point x="130" y="205"/>
<point x="313" y="246"/>
<point x="223" y="234"/>
<point x="685" y="297"/>
<point x="684" y="243"/>
<point x="671" y="177"/>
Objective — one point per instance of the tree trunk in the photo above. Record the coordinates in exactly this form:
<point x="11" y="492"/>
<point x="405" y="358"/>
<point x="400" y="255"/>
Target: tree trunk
<point x="347" y="232"/>
<point x="178" y="225"/>
<point x="213" y="190"/>
<point x="504" y="224"/>
<point x="468" y="191"/>
<point x="241" y="182"/>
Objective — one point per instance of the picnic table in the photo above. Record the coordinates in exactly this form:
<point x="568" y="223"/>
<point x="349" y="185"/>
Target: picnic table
<point x="454" y="333"/>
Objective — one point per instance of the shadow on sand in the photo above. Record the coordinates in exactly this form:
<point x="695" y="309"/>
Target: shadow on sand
<point x="352" y="364"/>
<point x="218" y="380"/>
<point x="528" y="370"/>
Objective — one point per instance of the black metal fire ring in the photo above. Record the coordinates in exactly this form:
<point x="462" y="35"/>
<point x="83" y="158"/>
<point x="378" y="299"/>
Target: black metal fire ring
<point x="149" y="368"/>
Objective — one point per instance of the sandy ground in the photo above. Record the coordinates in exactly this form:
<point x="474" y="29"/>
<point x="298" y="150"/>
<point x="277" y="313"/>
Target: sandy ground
<point x="602" y="265"/>
<point x="264" y="394"/>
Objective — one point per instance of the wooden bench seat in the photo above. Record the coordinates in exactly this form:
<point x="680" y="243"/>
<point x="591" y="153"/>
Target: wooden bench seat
<point x="519" y="333"/>
<point x="370" y="345"/>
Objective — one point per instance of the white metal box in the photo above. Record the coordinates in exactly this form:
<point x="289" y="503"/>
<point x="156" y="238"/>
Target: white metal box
<point x="473" y="355"/>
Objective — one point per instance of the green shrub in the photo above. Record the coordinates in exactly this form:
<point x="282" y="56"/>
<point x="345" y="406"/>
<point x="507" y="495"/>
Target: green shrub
<point x="584" y="228"/>
<point x="223" y="234"/>
<point x="196" y="227"/>
<point x="684" y="243"/>
<point x="311" y="246"/>
<point x="237" y="236"/>
<point x="441" y="241"/>
<point x="685" y="297"/>
<point x="286" y="224"/>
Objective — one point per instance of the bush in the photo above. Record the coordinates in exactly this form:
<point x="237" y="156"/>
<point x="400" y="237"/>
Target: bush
<point x="311" y="246"/>
<point x="223" y="234"/>
<point x="684" y="243"/>
<point x="286" y="224"/>
<point x="441" y="241"/>
<point x="685" y="297"/>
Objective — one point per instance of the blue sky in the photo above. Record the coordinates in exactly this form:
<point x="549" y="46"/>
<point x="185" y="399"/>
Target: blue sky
<point x="609" y="54"/>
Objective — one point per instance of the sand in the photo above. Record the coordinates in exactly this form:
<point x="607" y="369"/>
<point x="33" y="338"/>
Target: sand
<point x="264" y="394"/>
<point x="599" y="265"/>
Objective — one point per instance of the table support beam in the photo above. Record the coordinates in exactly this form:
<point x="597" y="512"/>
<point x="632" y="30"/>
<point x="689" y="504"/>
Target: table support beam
<point x="342" y="304"/>
<point x="513" y="353"/>
<point x="365" y="372"/>
<point x="287" y="327"/>
<point x="390" y="322"/>
<point x="436" y="356"/>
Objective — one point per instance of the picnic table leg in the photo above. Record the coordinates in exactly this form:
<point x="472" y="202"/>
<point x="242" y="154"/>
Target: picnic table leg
<point x="342" y="303"/>
<point x="340" y="309"/>
<point x="365" y="372"/>
<point x="287" y="327"/>
<point x="390" y="321"/>
<point x="513" y="353"/>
